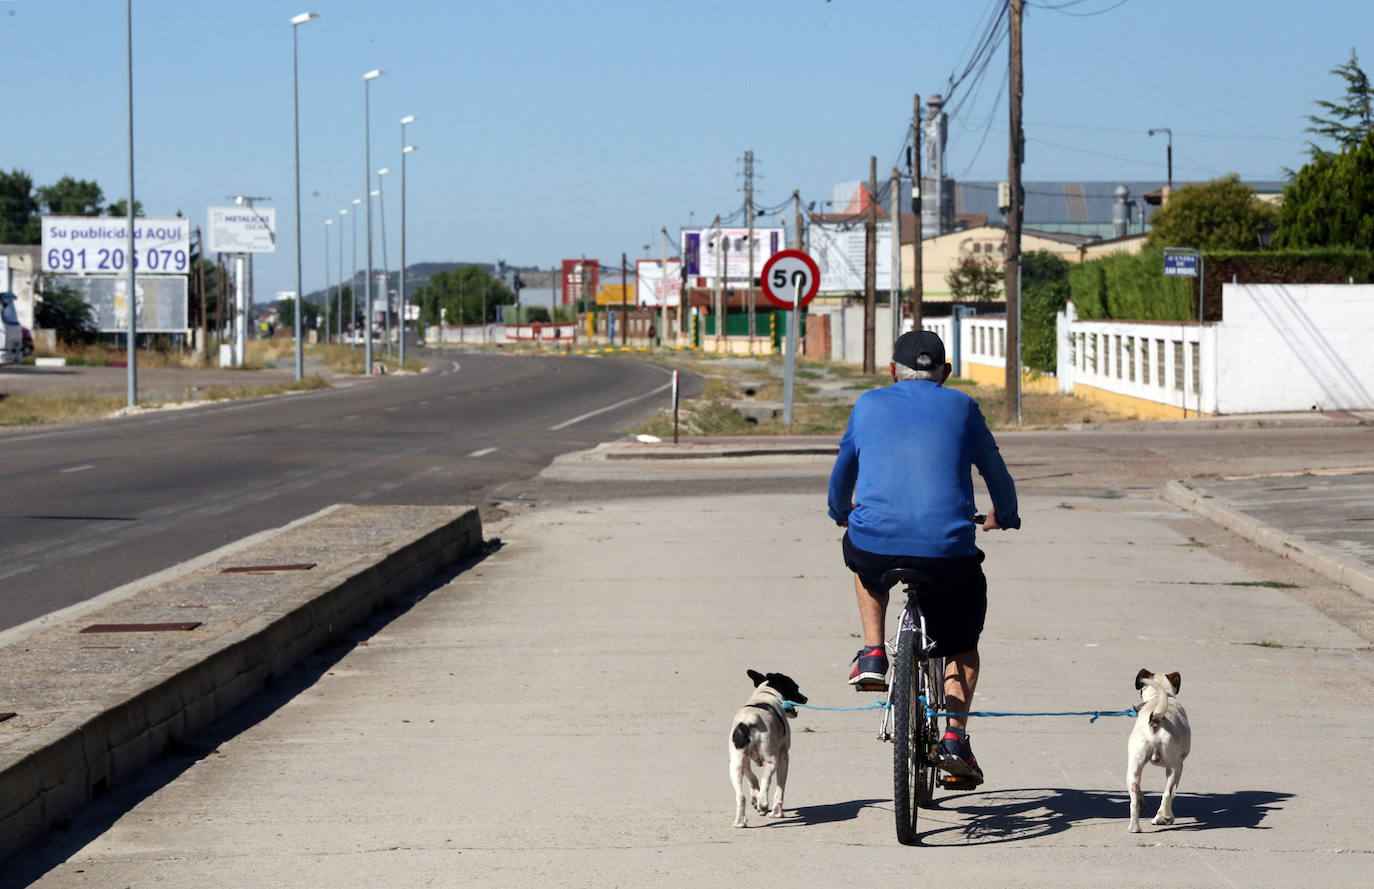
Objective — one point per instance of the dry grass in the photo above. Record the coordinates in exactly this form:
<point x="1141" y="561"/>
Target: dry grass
<point x="78" y="407"/>
<point x="815" y="413"/>
<point x="38" y="410"/>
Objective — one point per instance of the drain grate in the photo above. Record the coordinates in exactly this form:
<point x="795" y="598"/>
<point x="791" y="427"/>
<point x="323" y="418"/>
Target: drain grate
<point x="4" y="716"/>
<point x="142" y="628"/>
<point x="254" y="569"/>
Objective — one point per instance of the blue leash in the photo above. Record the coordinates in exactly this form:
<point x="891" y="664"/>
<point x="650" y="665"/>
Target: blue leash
<point x="883" y="705"/>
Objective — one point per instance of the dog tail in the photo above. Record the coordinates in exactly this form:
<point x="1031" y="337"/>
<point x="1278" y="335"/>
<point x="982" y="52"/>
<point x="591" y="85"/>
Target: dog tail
<point x="740" y="736"/>
<point x="1160" y="704"/>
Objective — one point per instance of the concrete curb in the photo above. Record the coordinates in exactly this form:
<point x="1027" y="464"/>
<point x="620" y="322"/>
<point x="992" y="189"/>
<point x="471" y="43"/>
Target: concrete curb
<point x="1320" y="559"/>
<point x="51" y="774"/>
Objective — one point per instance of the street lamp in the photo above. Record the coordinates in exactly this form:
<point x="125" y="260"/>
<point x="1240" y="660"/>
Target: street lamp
<point x="296" y="133"/>
<point x="367" y="186"/>
<point x="401" y="284"/>
<point x="339" y="314"/>
<point x="131" y="374"/>
<point x="327" y="224"/>
<point x="386" y="264"/>
<point x="1169" y="153"/>
<point x="353" y="272"/>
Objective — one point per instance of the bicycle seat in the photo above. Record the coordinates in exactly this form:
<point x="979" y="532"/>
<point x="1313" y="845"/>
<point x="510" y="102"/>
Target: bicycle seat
<point x="912" y="577"/>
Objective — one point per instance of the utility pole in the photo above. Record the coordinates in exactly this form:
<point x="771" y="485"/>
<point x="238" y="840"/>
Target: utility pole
<point x="720" y="284"/>
<point x="624" y="305"/>
<point x="894" y="290"/>
<point x="749" y="215"/>
<point x="797" y="221"/>
<point x="917" y="266"/>
<point x="1014" y="160"/>
<point x="871" y="265"/>
<point x="200" y="285"/>
<point x="663" y="291"/>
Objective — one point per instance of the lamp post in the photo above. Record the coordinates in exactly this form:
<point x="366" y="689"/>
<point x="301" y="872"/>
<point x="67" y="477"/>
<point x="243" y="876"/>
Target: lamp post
<point x="339" y="314"/>
<point x="296" y="134"/>
<point x="367" y="187"/>
<point x="327" y="224"/>
<point x="401" y="282"/>
<point x="386" y="264"/>
<point x="353" y="271"/>
<point x="1168" y="154"/>
<point x="131" y="375"/>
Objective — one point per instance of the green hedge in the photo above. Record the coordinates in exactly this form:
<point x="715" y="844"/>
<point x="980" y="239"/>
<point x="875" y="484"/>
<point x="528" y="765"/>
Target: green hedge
<point x="1132" y="287"/>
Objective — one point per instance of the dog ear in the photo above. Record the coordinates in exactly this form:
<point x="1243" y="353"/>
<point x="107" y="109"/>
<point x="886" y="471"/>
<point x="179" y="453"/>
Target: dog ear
<point x="757" y="678"/>
<point x="1176" y="680"/>
<point x="1141" y="677"/>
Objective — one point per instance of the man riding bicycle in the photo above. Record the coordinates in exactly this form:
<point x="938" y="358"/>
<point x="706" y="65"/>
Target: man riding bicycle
<point x="902" y="486"/>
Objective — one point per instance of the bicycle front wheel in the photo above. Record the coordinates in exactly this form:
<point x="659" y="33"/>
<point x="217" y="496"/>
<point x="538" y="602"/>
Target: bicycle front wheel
<point x="930" y="689"/>
<point x="908" y="755"/>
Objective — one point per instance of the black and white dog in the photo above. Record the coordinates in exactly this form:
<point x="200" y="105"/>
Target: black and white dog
<point x="760" y="734"/>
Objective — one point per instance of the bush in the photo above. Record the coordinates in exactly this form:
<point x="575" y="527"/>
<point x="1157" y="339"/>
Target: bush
<point x="1044" y="292"/>
<point x="67" y="313"/>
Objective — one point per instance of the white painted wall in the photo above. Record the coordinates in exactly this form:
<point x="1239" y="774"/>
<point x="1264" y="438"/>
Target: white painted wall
<point x="1280" y="348"/>
<point x="1295" y="347"/>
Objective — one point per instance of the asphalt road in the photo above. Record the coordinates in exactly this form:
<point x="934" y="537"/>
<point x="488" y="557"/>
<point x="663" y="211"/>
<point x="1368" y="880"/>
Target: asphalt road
<point x="87" y="508"/>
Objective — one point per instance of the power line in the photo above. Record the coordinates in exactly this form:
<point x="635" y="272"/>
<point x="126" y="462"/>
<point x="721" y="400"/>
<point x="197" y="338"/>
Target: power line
<point x="1063" y="8"/>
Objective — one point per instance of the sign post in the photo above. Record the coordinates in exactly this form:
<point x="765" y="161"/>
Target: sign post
<point x="797" y="271"/>
<point x="1185" y="262"/>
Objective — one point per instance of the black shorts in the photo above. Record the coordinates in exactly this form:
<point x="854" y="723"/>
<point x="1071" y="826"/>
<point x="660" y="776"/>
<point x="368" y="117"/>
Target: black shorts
<point x="955" y="613"/>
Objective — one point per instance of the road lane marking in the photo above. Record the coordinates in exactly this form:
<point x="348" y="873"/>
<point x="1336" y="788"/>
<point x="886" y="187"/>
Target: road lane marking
<point x="610" y="407"/>
<point x="389" y="409"/>
<point x="483" y="452"/>
<point x="78" y="468"/>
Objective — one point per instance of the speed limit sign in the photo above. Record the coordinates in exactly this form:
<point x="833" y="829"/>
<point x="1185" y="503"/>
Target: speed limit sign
<point x="789" y="273"/>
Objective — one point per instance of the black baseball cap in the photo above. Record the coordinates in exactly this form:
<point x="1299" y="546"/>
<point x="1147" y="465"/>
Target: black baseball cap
<point x="911" y="345"/>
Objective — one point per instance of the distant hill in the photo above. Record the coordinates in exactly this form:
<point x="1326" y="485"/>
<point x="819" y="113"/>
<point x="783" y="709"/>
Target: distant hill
<point x="419" y="273"/>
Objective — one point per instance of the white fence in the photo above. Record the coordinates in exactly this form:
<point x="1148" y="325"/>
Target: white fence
<point x="1279" y="348"/>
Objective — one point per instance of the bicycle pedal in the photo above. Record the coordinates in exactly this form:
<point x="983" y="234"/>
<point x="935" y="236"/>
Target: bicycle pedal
<point x="950" y="782"/>
<point x="870" y="686"/>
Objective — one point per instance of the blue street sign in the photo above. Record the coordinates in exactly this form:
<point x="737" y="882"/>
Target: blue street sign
<point x="1180" y="265"/>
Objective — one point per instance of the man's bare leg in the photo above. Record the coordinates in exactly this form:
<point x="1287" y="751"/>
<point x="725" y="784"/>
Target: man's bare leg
<point x="872" y="614"/>
<point x="961" y="677"/>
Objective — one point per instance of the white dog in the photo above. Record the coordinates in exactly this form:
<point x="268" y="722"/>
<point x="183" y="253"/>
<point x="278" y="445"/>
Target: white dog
<point x="1161" y="736"/>
<point x="760" y="733"/>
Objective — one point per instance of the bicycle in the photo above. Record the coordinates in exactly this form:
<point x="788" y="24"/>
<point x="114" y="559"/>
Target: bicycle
<point x="915" y="695"/>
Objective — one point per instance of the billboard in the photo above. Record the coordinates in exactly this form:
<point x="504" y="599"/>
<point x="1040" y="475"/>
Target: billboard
<point x="241" y="229"/>
<point x="161" y="301"/>
<point x="838" y="249"/>
<point x="97" y="245"/>
<point x="704" y="249"/>
<point x="576" y="274"/>
<point x="651" y="290"/>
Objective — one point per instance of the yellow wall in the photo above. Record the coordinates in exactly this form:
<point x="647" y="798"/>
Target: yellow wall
<point x="941" y="253"/>
<point x="1128" y="404"/>
<point x="992" y="375"/>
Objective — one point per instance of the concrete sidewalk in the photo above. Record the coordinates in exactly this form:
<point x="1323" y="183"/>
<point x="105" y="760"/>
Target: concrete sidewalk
<point x="558" y="715"/>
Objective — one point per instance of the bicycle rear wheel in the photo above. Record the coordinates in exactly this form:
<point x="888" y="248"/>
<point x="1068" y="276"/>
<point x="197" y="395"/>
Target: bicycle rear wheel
<point x="930" y="689"/>
<point x="908" y="754"/>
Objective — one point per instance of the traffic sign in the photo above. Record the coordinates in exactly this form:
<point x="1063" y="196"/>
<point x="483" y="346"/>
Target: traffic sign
<point x="787" y="272"/>
<point x="1180" y="265"/>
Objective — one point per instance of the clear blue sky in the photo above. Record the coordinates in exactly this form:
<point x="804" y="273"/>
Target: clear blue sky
<point x="551" y="129"/>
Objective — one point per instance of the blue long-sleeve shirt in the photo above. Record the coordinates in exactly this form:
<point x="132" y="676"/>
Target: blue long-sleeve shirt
<point x="906" y="463"/>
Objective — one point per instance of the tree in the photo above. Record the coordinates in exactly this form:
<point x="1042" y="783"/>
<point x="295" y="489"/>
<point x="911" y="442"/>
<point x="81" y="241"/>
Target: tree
<point x="1223" y="214"/>
<point x="71" y="197"/>
<point x="67" y="313"/>
<point x="462" y="294"/>
<point x="286" y="314"/>
<point x="975" y="279"/>
<point x="19" y="219"/>
<point x="121" y="208"/>
<point x="1330" y="202"/>
<point x="1044" y="293"/>
<point x="1350" y="117"/>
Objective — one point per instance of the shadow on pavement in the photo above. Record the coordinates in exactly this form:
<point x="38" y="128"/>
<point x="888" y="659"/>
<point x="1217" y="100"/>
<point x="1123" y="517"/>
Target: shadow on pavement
<point x="1014" y="815"/>
<point x="829" y="813"/>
